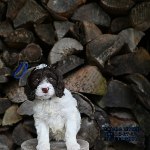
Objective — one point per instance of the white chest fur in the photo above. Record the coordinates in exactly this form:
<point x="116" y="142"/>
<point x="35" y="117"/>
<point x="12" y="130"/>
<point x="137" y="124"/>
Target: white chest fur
<point x="55" y="112"/>
<point x="50" y="112"/>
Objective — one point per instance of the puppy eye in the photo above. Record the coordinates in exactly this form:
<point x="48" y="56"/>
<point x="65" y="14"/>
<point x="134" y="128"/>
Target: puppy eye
<point x="36" y="80"/>
<point x="51" y="79"/>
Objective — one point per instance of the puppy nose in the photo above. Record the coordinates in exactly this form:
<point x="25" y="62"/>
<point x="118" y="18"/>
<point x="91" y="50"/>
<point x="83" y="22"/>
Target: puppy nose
<point x="45" y="90"/>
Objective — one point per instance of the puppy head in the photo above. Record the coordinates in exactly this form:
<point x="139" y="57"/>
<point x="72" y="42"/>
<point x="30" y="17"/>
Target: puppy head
<point x="43" y="83"/>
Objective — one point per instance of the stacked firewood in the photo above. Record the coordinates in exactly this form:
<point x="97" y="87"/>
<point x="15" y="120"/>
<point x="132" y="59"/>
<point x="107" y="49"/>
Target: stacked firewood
<point x="99" y="47"/>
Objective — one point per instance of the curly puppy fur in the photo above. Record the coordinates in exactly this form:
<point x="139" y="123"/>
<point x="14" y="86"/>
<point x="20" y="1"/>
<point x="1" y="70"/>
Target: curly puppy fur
<point x="55" y="112"/>
<point x="41" y="74"/>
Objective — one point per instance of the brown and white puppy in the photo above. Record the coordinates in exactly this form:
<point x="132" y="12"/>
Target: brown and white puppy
<point x="55" y="110"/>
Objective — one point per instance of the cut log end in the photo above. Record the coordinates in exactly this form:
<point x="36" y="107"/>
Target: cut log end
<point x="20" y="135"/>
<point x="19" y="38"/>
<point x="34" y="13"/>
<point x="89" y="32"/>
<point x="92" y="13"/>
<point x="32" y="53"/>
<point x="31" y="144"/>
<point x="64" y="9"/>
<point x="44" y="31"/>
<point x="85" y="132"/>
<point x="115" y="7"/>
<point x="11" y="116"/>
<point x="62" y="49"/>
<point x="139" y="16"/>
<point x="68" y="64"/>
<point x="13" y="7"/>
<point x="132" y="37"/>
<point x="102" y="48"/>
<point x="87" y="80"/>
<point x="119" y="24"/>
<point x="62" y="27"/>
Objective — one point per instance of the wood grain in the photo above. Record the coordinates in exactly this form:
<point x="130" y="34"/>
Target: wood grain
<point x="87" y="80"/>
<point x="92" y="13"/>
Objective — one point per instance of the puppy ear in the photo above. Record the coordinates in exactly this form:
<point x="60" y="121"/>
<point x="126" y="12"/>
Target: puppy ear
<point x="28" y="91"/>
<point x="59" y="90"/>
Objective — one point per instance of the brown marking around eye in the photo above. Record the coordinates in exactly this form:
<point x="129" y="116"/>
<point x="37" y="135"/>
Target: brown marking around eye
<point x="50" y="74"/>
<point x="35" y="80"/>
<point x="37" y="74"/>
<point x="53" y="82"/>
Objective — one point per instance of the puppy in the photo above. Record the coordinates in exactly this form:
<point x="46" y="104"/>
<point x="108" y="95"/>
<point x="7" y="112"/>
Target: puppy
<point x="55" y="110"/>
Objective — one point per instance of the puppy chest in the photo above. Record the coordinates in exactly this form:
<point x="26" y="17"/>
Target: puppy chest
<point x="53" y="115"/>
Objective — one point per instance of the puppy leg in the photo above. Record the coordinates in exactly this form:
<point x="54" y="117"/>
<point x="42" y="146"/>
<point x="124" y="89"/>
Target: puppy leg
<point x="42" y="135"/>
<point x="72" y="126"/>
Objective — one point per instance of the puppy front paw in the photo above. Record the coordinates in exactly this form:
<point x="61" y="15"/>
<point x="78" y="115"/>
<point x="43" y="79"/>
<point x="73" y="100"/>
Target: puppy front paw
<point x="73" y="146"/>
<point x="43" y="147"/>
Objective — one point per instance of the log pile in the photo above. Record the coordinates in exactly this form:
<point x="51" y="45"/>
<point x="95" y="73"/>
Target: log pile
<point x="101" y="49"/>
